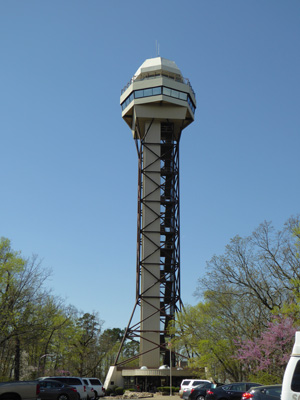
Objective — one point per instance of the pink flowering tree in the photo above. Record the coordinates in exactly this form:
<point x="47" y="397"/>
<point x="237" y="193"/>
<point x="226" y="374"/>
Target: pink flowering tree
<point x="266" y="356"/>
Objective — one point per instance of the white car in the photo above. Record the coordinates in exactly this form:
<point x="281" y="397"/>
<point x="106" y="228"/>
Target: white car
<point x="89" y="389"/>
<point x="188" y="384"/>
<point x="97" y="385"/>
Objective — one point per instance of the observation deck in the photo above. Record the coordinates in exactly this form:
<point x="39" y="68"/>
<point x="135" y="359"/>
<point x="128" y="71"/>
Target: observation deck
<point x="160" y="82"/>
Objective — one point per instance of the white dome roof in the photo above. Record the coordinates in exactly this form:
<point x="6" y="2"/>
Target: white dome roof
<point x="164" y="367"/>
<point x="158" y="64"/>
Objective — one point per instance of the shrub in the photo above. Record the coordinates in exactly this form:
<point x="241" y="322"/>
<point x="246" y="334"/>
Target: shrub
<point x="108" y="392"/>
<point x="166" y="389"/>
<point x="119" y="391"/>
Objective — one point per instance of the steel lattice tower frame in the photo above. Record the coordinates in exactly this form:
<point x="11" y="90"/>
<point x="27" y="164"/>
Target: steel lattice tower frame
<point x="157" y="104"/>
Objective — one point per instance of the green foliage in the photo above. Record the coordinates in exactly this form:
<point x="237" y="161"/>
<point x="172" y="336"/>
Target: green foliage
<point x="256" y="277"/>
<point x="21" y="299"/>
<point x="204" y="331"/>
<point x="108" y="392"/>
<point x="114" y="391"/>
<point x="166" y="389"/>
<point x="39" y="335"/>
<point x="85" y="342"/>
<point x="119" y="391"/>
<point x="291" y="307"/>
<point x="296" y="233"/>
<point x="264" y="378"/>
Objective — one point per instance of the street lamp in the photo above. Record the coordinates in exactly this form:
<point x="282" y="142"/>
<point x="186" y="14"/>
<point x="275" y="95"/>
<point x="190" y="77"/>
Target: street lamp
<point x="170" y="347"/>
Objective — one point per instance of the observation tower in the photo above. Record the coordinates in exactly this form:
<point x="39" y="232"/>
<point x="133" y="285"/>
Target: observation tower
<point x="157" y="104"/>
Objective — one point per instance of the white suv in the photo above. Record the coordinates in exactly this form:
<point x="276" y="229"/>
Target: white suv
<point x="90" y="390"/>
<point x="97" y="385"/>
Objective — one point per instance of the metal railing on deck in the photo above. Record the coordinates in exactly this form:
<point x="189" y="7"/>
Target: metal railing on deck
<point x="176" y="78"/>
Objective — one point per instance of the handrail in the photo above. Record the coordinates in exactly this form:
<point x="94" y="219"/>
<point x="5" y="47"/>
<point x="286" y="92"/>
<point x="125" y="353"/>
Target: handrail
<point x="151" y="76"/>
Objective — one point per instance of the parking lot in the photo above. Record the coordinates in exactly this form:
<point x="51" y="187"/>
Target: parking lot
<point x="155" y="396"/>
<point x="160" y="397"/>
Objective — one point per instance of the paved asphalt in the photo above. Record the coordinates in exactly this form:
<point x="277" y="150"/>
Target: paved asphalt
<point x="174" y="397"/>
<point x="155" y="397"/>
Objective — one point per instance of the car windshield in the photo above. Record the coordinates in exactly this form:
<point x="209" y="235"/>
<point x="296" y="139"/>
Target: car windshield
<point x="296" y="379"/>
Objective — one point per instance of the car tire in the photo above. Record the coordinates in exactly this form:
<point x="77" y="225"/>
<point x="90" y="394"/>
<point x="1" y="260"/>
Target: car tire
<point x="63" y="397"/>
<point x="9" y="397"/>
<point x="200" y="398"/>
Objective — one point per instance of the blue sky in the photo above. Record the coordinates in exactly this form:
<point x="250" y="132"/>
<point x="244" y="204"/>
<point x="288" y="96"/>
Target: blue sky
<point x="68" y="161"/>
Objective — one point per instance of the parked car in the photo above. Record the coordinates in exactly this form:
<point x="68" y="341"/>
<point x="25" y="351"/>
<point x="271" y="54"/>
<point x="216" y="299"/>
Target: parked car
<point x="97" y="386"/>
<point x="89" y="389"/>
<point x="199" y="392"/>
<point x="233" y="391"/>
<point x="54" y="390"/>
<point x="269" y="392"/>
<point x="190" y="383"/>
<point x="71" y="381"/>
<point x="187" y="391"/>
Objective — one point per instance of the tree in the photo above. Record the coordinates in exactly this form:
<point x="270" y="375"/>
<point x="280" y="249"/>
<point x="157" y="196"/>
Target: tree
<point x="86" y="343"/>
<point x="55" y="318"/>
<point x="21" y="295"/>
<point x="206" y="334"/>
<point x="38" y="333"/>
<point x="269" y="352"/>
<point x="256" y="278"/>
<point x="296" y="231"/>
<point x="263" y="267"/>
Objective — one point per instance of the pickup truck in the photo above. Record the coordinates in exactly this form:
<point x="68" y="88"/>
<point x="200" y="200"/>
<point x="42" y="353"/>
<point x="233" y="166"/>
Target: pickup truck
<point x="23" y="390"/>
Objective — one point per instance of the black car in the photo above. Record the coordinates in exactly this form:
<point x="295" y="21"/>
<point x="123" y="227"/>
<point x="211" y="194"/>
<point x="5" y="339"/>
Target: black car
<point x="233" y="391"/>
<point x="55" y="390"/>
<point x="268" y="392"/>
<point x="199" y="392"/>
